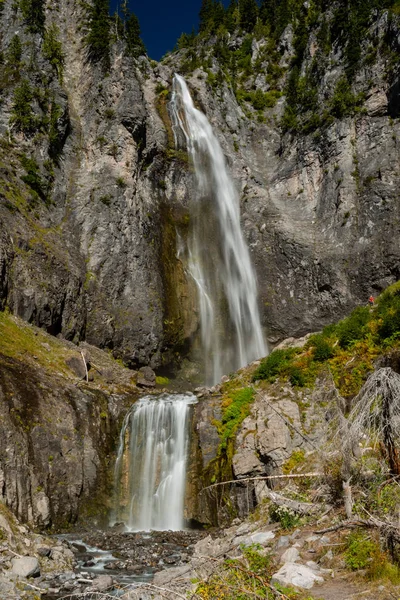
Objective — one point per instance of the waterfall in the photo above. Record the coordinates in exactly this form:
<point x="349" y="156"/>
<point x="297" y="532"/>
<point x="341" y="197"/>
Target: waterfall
<point x="217" y="254"/>
<point x="153" y="479"/>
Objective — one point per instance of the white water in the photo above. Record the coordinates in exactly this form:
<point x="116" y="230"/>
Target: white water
<point x="155" y="474"/>
<point x="218" y="258"/>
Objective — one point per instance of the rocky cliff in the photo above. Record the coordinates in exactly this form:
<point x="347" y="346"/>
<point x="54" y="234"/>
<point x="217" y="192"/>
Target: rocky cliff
<point x="95" y="198"/>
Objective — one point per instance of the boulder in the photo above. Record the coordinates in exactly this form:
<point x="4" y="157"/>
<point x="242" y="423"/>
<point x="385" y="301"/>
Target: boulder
<point x="297" y="575"/>
<point x="25" y="566"/>
<point x="146" y="378"/>
<point x="102" y="583"/>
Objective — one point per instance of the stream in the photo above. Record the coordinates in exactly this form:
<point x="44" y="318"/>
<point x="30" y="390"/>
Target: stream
<point x="126" y="557"/>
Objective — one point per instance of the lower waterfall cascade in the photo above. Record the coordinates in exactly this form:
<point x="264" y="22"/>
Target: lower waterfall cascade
<point x="152" y="473"/>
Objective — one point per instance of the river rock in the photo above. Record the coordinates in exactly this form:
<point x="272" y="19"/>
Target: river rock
<point x="102" y="583"/>
<point x="26" y="566"/>
<point x="297" y="575"/>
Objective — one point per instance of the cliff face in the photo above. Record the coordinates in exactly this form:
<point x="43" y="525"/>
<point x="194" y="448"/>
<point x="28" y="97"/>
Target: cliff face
<point x="90" y="230"/>
<point x="57" y="432"/>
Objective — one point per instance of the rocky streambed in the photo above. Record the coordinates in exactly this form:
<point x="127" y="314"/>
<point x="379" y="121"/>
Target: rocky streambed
<point x="114" y="558"/>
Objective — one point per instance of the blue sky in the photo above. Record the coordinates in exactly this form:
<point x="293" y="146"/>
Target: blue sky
<point x="163" y="21"/>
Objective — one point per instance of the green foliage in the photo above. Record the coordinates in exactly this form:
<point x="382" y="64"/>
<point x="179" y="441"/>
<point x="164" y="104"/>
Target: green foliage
<point x="22" y="115"/>
<point x="354" y="327"/>
<point x="274" y="364"/>
<point x="343" y="101"/>
<point x="258" y="99"/>
<point x="99" y="38"/>
<point x="162" y="380"/>
<point x="14" y="52"/>
<point x="286" y="517"/>
<point x="243" y="577"/>
<point x="134" y="43"/>
<point x="34" y="180"/>
<point x="52" y="49"/>
<point x="388" y="312"/>
<point x="33" y="14"/>
<point x="322" y="348"/>
<point x="360" y="550"/>
<point x="236" y="409"/>
<point x="248" y="10"/>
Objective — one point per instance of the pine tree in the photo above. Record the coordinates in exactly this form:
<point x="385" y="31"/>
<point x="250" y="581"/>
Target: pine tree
<point x="231" y="14"/>
<point x="99" y="31"/>
<point x="268" y="12"/>
<point x="134" y="44"/>
<point x="248" y="14"/>
<point x="33" y="14"/>
<point x="205" y="14"/>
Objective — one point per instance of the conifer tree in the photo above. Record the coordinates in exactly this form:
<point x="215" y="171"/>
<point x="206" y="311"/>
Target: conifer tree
<point x="232" y="16"/>
<point x="134" y="43"/>
<point x="33" y="14"/>
<point x="205" y="14"/>
<point x="99" y="31"/>
<point x="248" y="14"/>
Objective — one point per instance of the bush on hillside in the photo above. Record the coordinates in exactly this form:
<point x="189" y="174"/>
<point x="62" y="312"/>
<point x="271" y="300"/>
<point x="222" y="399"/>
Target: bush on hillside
<point x="274" y="364"/>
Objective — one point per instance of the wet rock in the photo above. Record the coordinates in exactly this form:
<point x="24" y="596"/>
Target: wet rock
<point x="26" y="566"/>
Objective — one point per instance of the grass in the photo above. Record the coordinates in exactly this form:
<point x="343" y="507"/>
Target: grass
<point x="30" y="344"/>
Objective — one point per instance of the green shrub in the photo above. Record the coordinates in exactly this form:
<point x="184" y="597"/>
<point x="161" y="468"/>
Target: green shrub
<point x="52" y="49"/>
<point x="360" y="550"/>
<point x="274" y="364"/>
<point x="33" y="178"/>
<point x="14" y="52"/>
<point x="296" y="376"/>
<point x="354" y="327"/>
<point x="22" y="115"/>
<point x="322" y="348"/>
<point x="287" y="518"/>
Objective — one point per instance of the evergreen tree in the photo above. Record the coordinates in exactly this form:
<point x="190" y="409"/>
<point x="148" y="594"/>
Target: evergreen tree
<point x="205" y="14"/>
<point x="134" y="43"/>
<point x="248" y="14"/>
<point x="22" y="115"/>
<point x="98" y="38"/>
<point x="268" y="9"/>
<point x="33" y="14"/>
<point x="231" y="20"/>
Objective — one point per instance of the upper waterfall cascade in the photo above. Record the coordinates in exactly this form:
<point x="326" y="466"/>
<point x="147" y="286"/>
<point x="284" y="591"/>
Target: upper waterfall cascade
<point x="217" y="255"/>
<point x="152" y="474"/>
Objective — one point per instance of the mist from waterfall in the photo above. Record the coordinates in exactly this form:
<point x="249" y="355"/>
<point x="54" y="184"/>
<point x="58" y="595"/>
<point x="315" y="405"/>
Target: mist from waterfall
<point x="150" y="471"/>
<point x="217" y="255"/>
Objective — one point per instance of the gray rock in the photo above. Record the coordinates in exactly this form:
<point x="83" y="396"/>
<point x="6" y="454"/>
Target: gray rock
<point x="26" y="566"/>
<point x="146" y="378"/>
<point x="291" y="555"/>
<point x="297" y="575"/>
<point x="102" y="583"/>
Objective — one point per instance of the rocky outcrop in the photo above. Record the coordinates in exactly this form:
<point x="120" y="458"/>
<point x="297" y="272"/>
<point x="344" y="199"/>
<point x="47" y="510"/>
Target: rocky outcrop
<point x="284" y="426"/>
<point x="57" y="431"/>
